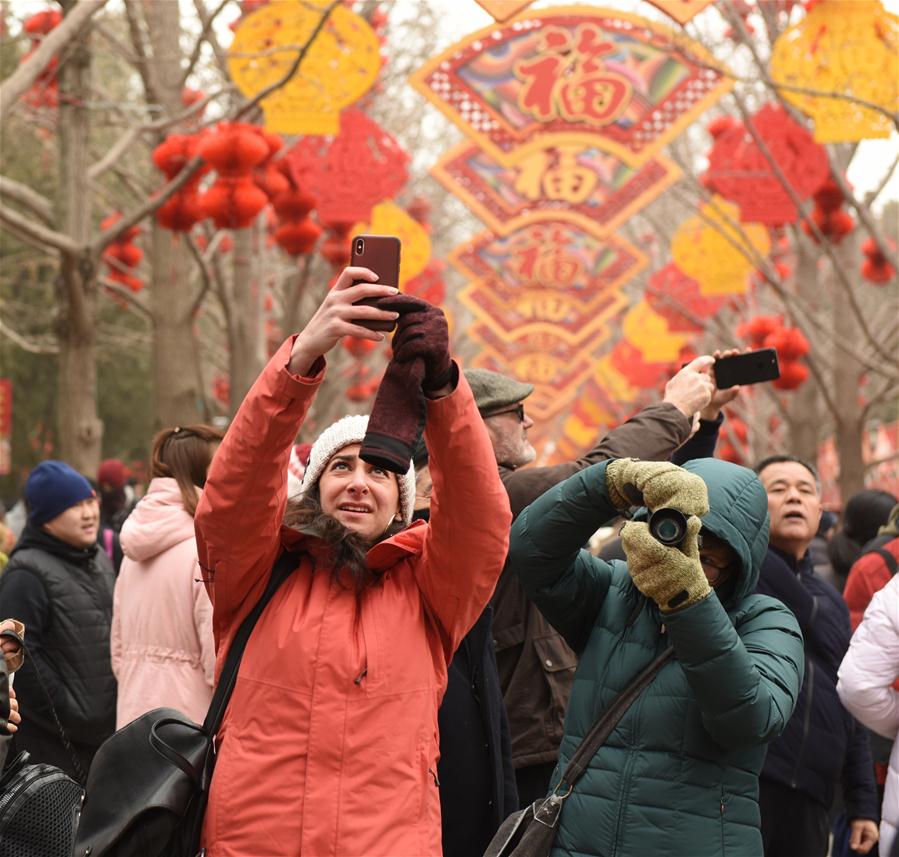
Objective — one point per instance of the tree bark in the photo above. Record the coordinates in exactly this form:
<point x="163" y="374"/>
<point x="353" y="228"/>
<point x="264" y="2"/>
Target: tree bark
<point x="80" y="429"/>
<point x="247" y="347"/>
<point x="178" y="398"/>
<point x="849" y="432"/>
<point x="805" y="407"/>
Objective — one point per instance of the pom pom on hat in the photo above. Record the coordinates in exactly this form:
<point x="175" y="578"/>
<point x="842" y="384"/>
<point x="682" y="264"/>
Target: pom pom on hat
<point x="340" y="434"/>
<point x="53" y="487"/>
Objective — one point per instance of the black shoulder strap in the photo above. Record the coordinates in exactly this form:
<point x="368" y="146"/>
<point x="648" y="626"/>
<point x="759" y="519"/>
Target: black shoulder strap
<point x="888" y="558"/>
<point x="284" y="567"/>
<point x="603" y="727"/>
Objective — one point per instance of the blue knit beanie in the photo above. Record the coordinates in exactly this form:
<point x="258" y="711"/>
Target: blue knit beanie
<point x="53" y="487"/>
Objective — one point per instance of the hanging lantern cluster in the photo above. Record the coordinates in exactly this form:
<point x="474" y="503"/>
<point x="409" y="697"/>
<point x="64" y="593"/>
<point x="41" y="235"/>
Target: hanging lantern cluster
<point x="233" y="149"/>
<point x="741" y="172"/>
<point x="182" y="210"/>
<point x="123" y="256"/>
<point x="44" y="92"/>
<point x="876" y="269"/>
<point x="789" y="342"/>
<point x="296" y="232"/>
<point x="828" y="215"/>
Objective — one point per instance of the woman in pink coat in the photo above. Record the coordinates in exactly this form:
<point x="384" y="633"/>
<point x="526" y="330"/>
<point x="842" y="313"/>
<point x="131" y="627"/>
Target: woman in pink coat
<point x="329" y="744"/>
<point x="162" y="647"/>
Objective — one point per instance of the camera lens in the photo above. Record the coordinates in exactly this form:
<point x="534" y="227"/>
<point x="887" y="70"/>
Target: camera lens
<point x="668" y="526"/>
<point x="360" y="246"/>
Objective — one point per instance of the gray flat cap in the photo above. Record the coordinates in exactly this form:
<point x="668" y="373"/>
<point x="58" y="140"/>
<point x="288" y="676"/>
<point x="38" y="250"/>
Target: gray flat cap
<point x="494" y="391"/>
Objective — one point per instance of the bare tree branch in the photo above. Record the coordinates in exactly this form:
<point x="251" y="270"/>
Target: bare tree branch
<point x="115" y="152"/>
<point x="28" y="72"/>
<point x="38" y="236"/>
<point x="221" y="55"/>
<point x="126" y="295"/>
<point x="207" y="21"/>
<point x="143" y="65"/>
<point x="27" y="344"/>
<point x="28" y="197"/>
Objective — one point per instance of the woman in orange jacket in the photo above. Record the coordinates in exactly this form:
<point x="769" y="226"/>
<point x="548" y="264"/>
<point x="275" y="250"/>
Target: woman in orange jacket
<point x="329" y="744"/>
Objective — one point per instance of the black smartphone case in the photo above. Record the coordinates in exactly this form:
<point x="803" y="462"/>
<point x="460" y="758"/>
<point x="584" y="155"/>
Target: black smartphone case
<point x="381" y="254"/>
<point x="748" y="368"/>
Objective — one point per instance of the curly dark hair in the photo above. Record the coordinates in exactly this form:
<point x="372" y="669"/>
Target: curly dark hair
<point x="349" y="563"/>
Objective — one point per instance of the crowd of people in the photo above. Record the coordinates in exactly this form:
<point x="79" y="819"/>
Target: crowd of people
<point x="447" y="639"/>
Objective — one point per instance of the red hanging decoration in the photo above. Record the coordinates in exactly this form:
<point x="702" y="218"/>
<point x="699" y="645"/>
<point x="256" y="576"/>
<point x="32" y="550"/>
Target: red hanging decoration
<point x="740" y="172"/>
<point x="789" y="342"/>
<point x="628" y="361"/>
<point x="758" y="329"/>
<point x="296" y="233"/>
<point x="182" y="210"/>
<point x="670" y="292"/>
<point x="123" y="256"/>
<point x="44" y="92"/>
<point x="298" y="236"/>
<point x="352" y="172"/>
<point x="358" y="347"/>
<point x="792" y="375"/>
<point x="828" y="215"/>
<point x="876" y="269"/>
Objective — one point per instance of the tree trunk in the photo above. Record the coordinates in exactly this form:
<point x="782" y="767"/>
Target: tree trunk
<point x="247" y="346"/>
<point x="80" y="429"/>
<point x="178" y="398"/>
<point x="846" y="376"/>
<point x="805" y="405"/>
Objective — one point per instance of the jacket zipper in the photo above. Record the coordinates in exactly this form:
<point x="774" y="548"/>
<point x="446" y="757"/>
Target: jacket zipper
<point x="806" y="721"/>
<point x="361" y="677"/>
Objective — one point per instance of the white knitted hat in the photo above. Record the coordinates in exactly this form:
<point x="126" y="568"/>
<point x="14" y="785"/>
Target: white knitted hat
<point x="342" y="433"/>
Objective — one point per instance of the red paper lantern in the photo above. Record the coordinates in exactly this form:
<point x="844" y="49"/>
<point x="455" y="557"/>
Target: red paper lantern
<point x="124" y="253"/>
<point x="298" y="236"/>
<point x="876" y="269"/>
<point x="180" y="212"/>
<point x="171" y="155"/>
<point x="232" y="203"/>
<point x="129" y="281"/>
<point x="758" y="329"/>
<point x="234" y="148"/>
<point x="41" y="23"/>
<point x="792" y="375"/>
<point x="293" y="204"/>
<point x="789" y="342"/>
<point x="271" y="181"/>
<point x="110" y="220"/>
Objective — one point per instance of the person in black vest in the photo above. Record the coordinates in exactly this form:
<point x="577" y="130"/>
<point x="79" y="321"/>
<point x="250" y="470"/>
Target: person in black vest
<point x="59" y="584"/>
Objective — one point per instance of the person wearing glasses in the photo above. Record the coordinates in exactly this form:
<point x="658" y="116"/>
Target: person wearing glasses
<point x="536" y="666"/>
<point x="679" y="772"/>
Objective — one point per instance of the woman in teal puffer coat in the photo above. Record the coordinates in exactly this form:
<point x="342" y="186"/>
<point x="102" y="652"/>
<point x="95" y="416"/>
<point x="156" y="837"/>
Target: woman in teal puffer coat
<point x="679" y="774"/>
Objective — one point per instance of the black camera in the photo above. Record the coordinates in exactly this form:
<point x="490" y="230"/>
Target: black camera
<point x="668" y="526"/>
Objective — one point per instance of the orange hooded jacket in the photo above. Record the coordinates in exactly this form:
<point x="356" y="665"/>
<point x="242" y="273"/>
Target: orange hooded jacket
<point x="329" y="745"/>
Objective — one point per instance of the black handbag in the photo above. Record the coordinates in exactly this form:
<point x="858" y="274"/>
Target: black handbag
<point x="38" y="802"/>
<point x="148" y="784"/>
<point x="530" y="832"/>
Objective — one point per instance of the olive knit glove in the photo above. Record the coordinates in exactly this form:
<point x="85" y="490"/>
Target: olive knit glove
<point x="656" y="484"/>
<point x="670" y="576"/>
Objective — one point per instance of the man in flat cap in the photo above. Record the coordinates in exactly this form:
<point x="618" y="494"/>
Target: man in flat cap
<point x="536" y="666"/>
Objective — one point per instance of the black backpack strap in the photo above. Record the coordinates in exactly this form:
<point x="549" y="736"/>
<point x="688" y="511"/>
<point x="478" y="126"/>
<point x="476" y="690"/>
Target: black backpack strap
<point x="286" y="564"/>
<point x="888" y="558"/>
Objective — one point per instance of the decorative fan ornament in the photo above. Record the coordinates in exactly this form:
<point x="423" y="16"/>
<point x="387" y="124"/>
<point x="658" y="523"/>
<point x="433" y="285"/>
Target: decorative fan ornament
<point x="849" y="47"/>
<point x="573" y="74"/>
<point x="715" y="253"/>
<point x="577" y="182"/>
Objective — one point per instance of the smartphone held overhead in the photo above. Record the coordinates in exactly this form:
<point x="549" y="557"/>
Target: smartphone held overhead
<point x="381" y="254"/>
<point x="750" y="368"/>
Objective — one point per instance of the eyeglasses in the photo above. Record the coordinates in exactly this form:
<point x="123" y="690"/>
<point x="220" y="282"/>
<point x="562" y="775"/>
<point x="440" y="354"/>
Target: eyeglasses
<point x="716" y="563"/>
<point x="518" y="410"/>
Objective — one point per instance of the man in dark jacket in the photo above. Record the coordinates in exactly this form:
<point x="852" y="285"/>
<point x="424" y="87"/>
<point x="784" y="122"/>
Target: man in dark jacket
<point x="536" y="666"/>
<point x="59" y="584"/>
<point x="823" y="744"/>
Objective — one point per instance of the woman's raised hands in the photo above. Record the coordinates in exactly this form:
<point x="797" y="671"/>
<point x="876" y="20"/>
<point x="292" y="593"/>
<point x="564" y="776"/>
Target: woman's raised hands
<point x="340" y="315"/>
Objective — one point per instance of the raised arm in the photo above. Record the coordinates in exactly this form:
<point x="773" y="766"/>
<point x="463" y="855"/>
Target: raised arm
<point x="239" y="516"/>
<point x="652" y="434"/>
<point x="468" y="535"/>
<point x="545" y="552"/>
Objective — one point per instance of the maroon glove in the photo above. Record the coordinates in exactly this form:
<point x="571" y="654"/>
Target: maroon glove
<point x="421" y="332"/>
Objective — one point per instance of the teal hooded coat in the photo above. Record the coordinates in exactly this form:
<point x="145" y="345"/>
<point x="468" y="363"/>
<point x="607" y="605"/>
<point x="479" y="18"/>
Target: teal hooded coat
<point x="679" y="774"/>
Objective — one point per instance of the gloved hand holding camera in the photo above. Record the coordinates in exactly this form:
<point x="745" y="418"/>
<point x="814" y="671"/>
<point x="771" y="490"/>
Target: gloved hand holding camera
<point x="657" y="485"/>
<point x="670" y="576"/>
